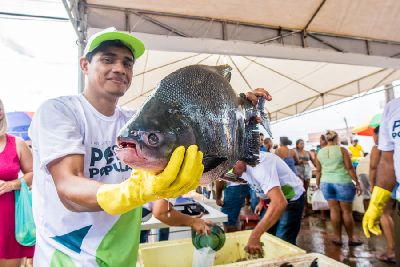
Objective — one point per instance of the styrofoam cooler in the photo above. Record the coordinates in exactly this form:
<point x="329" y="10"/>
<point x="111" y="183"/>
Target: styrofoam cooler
<point x="294" y="261"/>
<point x="179" y="253"/>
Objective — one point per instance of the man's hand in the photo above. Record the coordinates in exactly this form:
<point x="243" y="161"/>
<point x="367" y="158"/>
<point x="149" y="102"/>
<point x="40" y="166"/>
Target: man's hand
<point x="6" y="186"/>
<point x="254" y="246"/>
<point x="258" y="92"/>
<point x="358" y="189"/>
<point x="259" y="208"/>
<point x="201" y="226"/>
<point x="177" y="179"/>
<point x="219" y="202"/>
<point x="373" y="214"/>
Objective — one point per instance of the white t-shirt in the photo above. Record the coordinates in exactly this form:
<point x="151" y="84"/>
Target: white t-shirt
<point x="271" y="172"/>
<point x="389" y="135"/>
<point x="71" y="125"/>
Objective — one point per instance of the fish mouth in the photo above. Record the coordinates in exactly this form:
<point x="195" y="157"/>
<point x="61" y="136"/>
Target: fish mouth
<point x="129" y="152"/>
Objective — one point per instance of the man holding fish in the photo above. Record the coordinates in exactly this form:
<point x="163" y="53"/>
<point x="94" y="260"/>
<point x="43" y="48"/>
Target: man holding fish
<point x="86" y="202"/>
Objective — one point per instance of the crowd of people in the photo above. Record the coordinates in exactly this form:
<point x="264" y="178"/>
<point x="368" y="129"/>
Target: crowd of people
<point x="84" y="210"/>
<point x="341" y="172"/>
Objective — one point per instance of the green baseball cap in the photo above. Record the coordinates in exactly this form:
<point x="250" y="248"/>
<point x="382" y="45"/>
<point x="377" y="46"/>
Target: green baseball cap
<point x="134" y="44"/>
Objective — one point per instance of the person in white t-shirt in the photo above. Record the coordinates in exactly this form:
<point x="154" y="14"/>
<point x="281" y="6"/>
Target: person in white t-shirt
<point x="388" y="172"/>
<point x="86" y="202"/>
<point x="87" y="208"/>
<point x="276" y="184"/>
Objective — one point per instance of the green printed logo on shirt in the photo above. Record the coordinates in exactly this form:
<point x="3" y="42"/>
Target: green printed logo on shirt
<point x="60" y="259"/>
<point x="120" y="245"/>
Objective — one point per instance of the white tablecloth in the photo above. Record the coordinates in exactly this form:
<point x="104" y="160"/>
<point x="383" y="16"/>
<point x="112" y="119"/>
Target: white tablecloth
<point x="214" y="215"/>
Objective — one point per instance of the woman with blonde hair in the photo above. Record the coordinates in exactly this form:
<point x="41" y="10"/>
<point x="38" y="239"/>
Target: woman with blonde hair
<point x="335" y="176"/>
<point x="15" y="156"/>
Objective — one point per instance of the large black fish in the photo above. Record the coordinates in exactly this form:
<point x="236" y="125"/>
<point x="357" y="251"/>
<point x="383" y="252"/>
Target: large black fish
<point x="193" y="105"/>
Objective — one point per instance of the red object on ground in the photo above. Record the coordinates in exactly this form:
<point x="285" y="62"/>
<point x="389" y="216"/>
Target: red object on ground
<point x="248" y="221"/>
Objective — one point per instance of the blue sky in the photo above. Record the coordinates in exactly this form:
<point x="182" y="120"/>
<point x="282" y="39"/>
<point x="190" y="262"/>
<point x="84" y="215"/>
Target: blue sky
<point x="39" y="61"/>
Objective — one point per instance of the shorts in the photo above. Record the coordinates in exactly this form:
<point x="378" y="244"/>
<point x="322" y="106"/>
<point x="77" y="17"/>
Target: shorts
<point x="394" y="191"/>
<point x="338" y="192"/>
<point x="233" y="202"/>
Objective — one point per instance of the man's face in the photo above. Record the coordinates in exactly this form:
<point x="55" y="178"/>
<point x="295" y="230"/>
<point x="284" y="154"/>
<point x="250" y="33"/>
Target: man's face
<point x="261" y="139"/>
<point x="239" y="168"/>
<point x="110" y="71"/>
<point x="268" y="143"/>
<point x="355" y="143"/>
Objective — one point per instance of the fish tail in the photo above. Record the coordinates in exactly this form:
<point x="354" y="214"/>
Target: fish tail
<point x="251" y="145"/>
<point x="252" y="129"/>
<point x="264" y="117"/>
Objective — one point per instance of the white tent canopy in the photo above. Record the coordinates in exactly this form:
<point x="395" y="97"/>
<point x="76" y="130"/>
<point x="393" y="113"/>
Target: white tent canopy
<point x="306" y="53"/>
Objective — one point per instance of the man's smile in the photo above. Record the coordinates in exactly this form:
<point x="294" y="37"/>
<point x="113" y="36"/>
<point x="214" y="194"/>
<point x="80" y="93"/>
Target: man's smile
<point x="118" y="80"/>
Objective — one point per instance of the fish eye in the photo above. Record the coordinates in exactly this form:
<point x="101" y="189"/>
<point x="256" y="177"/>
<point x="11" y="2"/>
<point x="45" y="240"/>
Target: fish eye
<point x="153" y="139"/>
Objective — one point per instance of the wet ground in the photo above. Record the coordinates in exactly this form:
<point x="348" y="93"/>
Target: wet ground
<point x="316" y="236"/>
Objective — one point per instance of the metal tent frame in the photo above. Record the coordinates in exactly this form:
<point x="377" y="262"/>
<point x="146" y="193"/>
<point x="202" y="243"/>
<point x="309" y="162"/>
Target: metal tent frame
<point x="204" y="31"/>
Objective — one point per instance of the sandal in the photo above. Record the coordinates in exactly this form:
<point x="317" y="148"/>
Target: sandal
<point x="355" y="243"/>
<point x="337" y="242"/>
<point x="385" y="258"/>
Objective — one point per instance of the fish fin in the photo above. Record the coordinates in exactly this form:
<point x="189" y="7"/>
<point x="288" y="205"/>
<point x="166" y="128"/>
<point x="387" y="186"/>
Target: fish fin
<point x="224" y="70"/>
<point x="210" y="162"/>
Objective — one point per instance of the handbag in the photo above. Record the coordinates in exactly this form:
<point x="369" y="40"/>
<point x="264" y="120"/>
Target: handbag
<point x="318" y="201"/>
<point x="25" y="229"/>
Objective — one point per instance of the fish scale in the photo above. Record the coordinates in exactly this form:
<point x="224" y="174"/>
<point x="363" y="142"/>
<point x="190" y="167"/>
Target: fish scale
<point x="194" y="105"/>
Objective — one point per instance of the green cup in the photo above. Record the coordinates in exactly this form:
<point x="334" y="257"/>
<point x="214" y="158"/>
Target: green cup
<point x="215" y="240"/>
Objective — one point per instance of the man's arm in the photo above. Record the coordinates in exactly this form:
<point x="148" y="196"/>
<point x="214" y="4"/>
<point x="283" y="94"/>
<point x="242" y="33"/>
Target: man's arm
<point x="318" y="172"/>
<point x="386" y="178"/>
<point x="76" y="192"/>
<point x="385" y="182"/>
<point x="311" y="159"/>
<point x="219" y="187"/>
<point x="275" y="210"/>
<point x="161" y="210"/>
<point x="373" y="165"/>
<point x="295" y="157"/>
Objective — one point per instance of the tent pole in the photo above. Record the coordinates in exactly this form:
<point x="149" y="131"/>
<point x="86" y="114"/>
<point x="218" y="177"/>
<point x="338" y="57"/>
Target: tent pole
<point x="81" y="77"/>
<point x="80" y="43"/>
<point x="389" y="93"/>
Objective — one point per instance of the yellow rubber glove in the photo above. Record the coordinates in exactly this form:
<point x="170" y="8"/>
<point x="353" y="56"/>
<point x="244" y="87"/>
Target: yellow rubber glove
<point x="373" y="214"/>
<point x="177" y="178"/>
